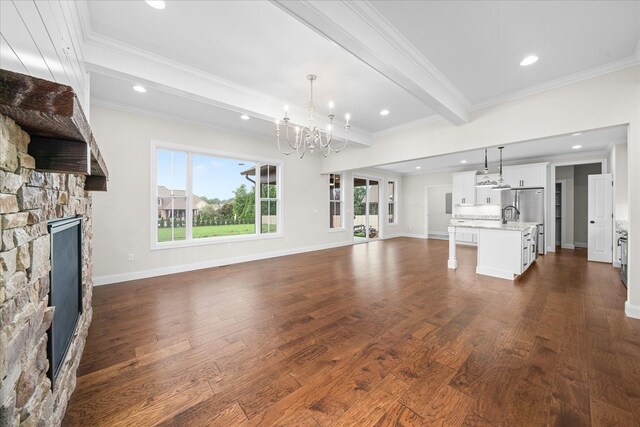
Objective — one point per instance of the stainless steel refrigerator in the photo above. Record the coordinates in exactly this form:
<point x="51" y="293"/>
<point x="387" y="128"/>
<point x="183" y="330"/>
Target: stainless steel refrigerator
<point x="530" y="203"/>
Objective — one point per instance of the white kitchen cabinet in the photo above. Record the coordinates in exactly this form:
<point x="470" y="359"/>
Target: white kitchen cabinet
<point x="485" y="195"/>
<point x="464" y="188"/>
<point x="470" y="238"/>
<point x="529" y="249"/>
<point x="505" y="253"/>
<point x="534" y="175"/>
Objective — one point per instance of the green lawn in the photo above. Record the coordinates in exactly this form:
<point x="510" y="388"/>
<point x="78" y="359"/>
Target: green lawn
<point x="164" y="234"/>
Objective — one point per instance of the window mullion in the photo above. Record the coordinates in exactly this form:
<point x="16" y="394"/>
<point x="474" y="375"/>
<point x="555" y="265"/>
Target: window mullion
<point x="258" y="199"/>
<point x="189" y="201"/>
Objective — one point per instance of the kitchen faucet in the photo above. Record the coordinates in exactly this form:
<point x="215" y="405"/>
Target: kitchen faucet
<point x="504" y="212"/>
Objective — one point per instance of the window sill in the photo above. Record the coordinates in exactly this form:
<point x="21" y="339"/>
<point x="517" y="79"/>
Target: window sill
<point x="395" y="224"/>
<point x="336" y="230"/>
<point x="213" y="241"/>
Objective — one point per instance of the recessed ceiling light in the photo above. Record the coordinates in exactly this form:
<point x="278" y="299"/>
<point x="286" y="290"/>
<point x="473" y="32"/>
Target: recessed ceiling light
<point x="576" y="147"/>
<point x="384" y="112"/>
<point x="156" y="4"/>
<point x="576" y="134"/>
<point x="463" y="161"/>
<point x="418" y="167"/>
<point x="244" y="117"/>
<point x="531" y="59"/>
<point x="139" y="88"/>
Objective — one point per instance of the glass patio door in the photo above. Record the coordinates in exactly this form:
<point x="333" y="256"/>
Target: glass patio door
<point x="366" y="208"/>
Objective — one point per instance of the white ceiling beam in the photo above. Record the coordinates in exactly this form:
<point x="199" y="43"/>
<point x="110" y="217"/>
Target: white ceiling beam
<point x="109" y="57"/>
<point x="360" y="29"/>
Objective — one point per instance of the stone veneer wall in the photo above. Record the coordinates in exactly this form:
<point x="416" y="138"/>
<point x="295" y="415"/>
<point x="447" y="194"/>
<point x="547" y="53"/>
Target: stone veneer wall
<point x="28" y="199"/>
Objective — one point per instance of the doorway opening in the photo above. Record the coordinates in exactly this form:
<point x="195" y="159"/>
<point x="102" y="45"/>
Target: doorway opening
<point x="581" y="198"/>
<point x="558" y="211"/>
<point x="366" y="209"/>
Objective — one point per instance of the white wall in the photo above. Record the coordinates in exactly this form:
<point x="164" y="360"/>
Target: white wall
<point x="122" y="214"/>
<point x="49" y="47"/>
<point x="617" y="161"/>
<point x="436" y="206"/>
<point x="413" y="203"/>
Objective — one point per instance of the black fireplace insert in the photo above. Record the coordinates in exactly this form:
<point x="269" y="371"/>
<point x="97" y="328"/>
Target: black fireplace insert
<point x="65" y="293"/>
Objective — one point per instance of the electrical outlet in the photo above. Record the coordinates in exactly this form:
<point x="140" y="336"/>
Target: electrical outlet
<point x="131" y="257"/>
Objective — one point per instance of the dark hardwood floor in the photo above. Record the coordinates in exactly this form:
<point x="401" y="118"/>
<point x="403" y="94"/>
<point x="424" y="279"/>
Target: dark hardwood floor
<point x="374" y="334"/>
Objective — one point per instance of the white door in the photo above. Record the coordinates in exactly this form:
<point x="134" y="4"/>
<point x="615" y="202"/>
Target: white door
<point x="600" y="227"/>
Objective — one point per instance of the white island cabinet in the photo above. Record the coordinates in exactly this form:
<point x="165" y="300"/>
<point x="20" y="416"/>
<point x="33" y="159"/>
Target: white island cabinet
<point x="504" y="251"/>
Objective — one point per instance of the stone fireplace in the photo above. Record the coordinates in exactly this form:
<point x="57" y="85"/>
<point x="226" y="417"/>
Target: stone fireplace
<point x="29" y="199"/>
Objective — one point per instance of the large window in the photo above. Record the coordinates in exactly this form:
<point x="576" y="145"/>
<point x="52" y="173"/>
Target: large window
<point x="391" y="191"/>
<point x="201" y="197"/>
<point x="335" y="201"/>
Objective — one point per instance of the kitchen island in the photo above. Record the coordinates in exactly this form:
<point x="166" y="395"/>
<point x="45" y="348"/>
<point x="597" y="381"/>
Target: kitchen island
<point x="504" y="250"/>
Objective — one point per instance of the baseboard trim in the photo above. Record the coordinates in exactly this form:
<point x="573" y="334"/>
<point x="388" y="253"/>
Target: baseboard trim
<point x="502" y="274"/>
<point x="415" y="236"/>
<point x="580" y="245"/>
<point x="616" y="264"/>
<point x="567" y="246"/>
<point x="439" y="236"/>
<point x="632" y="310"/>
<point x="392" y="236"/>
<point x="145" y="274"/>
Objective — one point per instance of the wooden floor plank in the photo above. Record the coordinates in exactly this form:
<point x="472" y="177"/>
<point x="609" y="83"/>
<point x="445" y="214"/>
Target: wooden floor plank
<point x="376" y="334"/>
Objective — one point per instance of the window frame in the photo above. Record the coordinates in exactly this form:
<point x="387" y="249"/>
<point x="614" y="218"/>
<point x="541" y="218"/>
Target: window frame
<point x="342" y="202"/>
<point x="395" y="202"/>
<point x="190" y="150"/>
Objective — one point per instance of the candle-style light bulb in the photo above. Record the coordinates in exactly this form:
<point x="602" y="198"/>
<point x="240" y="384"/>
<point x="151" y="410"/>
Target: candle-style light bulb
<point x="330" y="107"/>
<point x="347" y="117"/>
<point x="286" y="111"/>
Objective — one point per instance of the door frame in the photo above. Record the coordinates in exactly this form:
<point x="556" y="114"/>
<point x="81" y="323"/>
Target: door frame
<point x="380" y="221"/>
<point x="551" y="203"/>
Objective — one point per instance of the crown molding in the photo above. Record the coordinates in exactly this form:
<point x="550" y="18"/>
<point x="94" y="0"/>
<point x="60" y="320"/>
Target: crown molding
<point x="359" y="29"/>
<point x="127" y="108"/>
<point x="408" y="125"/>
<point x="601" y="70"/>
<point x="611" y="67"/>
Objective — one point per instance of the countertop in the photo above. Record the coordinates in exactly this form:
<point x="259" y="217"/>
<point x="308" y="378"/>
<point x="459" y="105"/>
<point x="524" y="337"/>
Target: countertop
<point x="495" y="225"/>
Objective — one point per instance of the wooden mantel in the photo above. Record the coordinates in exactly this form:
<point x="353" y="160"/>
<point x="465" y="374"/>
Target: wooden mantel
<point x="61" y="139"/>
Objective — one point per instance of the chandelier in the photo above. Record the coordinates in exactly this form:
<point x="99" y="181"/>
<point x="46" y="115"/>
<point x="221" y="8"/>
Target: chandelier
<point x="311" y="138"/>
